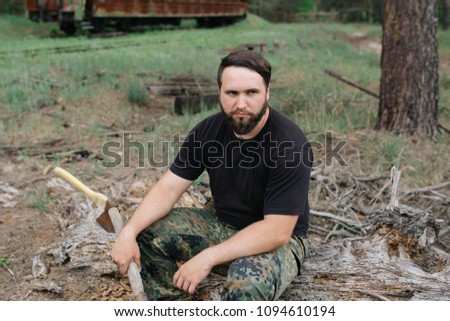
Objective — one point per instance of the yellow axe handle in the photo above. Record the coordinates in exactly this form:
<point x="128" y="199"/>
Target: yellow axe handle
<point x="96" y="197"/>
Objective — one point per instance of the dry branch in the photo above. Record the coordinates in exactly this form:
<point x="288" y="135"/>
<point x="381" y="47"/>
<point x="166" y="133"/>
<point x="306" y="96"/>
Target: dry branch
<point x="426" y="189"/>
<point x="443" y="128"/>
<point x="351" y="83"/>
<point x="395" y="178"/>
<point x="336" y="218"/>
<point x="14" y="149"/>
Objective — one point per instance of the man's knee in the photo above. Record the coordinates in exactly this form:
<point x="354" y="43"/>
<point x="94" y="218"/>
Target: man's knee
<point x="250" y="279"/>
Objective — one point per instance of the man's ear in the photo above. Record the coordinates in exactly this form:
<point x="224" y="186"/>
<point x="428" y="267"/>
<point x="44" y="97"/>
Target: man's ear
<point x="268" y="92"/>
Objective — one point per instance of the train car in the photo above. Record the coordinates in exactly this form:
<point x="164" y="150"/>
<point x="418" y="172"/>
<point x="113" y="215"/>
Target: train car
<point x="124" y="14"/>
<point x="42" y="10"/>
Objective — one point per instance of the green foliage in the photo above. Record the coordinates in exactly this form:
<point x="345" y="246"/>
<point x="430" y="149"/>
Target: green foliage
<point x="360" y="10"/>
<point x="12" y="6"/>
<point x="276" y="10"/>
<point x="305" y="5"/>
<point x="4" y="262"/>
<point x="371" y="10"/>
<point x="137" y="93"/>
<point x="441" y="12"/>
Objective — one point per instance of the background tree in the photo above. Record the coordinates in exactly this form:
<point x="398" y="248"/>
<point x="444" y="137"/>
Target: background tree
<point x="409" y="68"/>
<point x="280" y="10"/>
<point x="12" y="6"/>
<point x="369" y="10"/>
<point x="284" y="10"/>
<point x="444" y="10"/>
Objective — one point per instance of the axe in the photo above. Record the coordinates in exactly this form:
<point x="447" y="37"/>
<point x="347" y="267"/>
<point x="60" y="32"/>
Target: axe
<point x="110" y="220"/>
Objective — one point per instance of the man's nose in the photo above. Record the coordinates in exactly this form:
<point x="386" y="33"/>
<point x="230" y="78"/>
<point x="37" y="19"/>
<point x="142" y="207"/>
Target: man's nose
<point x="241" y="101"/>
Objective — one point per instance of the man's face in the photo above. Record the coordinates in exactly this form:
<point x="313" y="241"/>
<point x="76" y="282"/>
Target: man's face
<point x="243" y="98"/>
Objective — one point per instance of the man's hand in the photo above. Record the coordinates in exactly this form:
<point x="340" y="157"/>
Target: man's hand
<point x="191" y="273"/>
<point x="126" y="250"/>
<point x="156" y="204"/>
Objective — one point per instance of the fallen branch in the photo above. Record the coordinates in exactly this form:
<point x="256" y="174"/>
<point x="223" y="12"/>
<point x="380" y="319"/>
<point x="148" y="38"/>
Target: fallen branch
<point x="336" y="218"/>
<point x="370" y="179"/>
<point x="378" y="296"/>
<point x="12" y="149"/>
<point x="68" y="156"/>
<point x="443" y="128"/>
<point x="351" y="83"/>
<point x="426" y="189"/>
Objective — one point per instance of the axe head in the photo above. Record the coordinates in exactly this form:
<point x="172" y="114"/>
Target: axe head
<point x="104" y="220"/>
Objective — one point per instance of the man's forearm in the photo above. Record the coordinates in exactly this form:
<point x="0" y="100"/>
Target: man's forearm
<point x="153" y="207"/>
<point x="260" y="237"/>
<point x="157" y="203"/>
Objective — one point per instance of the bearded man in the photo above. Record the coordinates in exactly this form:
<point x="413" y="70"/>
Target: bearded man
<point x="259" y="164"/>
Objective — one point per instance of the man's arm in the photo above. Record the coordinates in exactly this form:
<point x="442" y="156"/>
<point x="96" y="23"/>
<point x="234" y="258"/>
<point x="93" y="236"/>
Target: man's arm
<point x="156" y="204"/>
<point x="259" y="237"/>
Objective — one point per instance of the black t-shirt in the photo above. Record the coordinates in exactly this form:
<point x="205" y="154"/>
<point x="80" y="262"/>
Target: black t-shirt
<point x="268" y="174"/>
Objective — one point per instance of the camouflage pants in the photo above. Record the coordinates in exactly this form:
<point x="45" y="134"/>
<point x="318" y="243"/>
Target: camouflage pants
<point x="185" y="232"/>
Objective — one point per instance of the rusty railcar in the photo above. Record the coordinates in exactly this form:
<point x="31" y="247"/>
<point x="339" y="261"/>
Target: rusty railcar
<point x="124" y="14"/>
<point x="42" y="10"/>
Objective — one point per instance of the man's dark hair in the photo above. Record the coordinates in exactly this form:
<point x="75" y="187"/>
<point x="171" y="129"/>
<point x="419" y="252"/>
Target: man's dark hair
<point x="248" y="59"/>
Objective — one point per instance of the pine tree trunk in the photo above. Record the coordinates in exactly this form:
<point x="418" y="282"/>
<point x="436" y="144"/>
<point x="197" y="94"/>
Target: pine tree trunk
<point x="409" y="68"/>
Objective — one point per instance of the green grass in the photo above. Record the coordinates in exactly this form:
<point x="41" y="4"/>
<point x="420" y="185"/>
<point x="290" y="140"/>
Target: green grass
<point x="137" y="92"/>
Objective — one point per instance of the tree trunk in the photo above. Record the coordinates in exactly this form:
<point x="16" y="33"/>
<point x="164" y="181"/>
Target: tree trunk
<point x="409" y="68"/>
<point x="445" y="14"/>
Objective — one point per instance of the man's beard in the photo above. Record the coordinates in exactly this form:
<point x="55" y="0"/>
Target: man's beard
<point x="241" y="126"/>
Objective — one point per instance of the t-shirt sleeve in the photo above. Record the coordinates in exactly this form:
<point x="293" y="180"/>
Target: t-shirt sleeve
<point x="288" y="181"/>
<point x="188" y="163"/>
